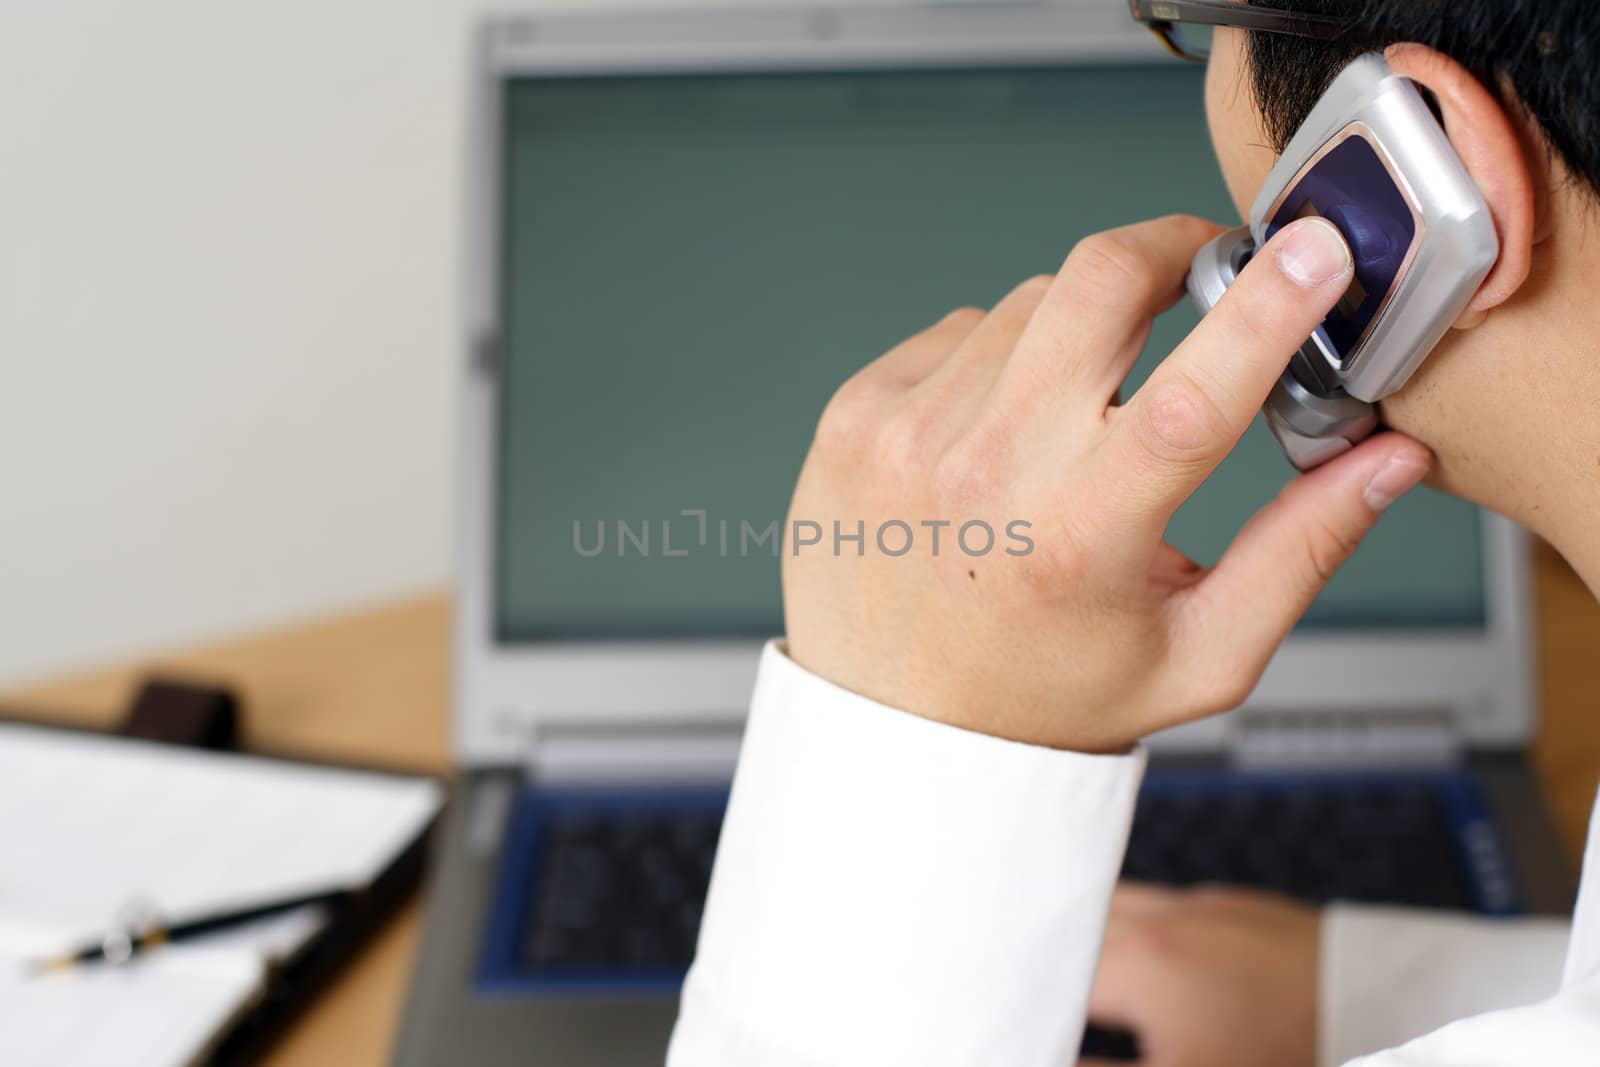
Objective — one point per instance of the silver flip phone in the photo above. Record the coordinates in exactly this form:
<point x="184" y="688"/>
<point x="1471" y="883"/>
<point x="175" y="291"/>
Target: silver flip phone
<point x="1372" y="159"/>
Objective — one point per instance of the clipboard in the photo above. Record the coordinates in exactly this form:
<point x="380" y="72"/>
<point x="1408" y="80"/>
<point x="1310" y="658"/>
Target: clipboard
<point x="170" y="718"/>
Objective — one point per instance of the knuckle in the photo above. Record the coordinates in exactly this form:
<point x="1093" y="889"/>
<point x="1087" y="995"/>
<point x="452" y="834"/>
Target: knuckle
<point x="1193" y="228"/>
<point x="901" y="447"/>
<point x="1034" y="288"/>
<point x="1194" y="222"/>
<point x="1060" y="560"/>
<point x="1182" y="423"/>
<point x="850" y="416"/>
<point x="962" y="318"/>
<point x="1110" y="265"/>
<point x="969" y="470"/>
<point x="1263" y="320"/>
<point x="1326" y="547"/>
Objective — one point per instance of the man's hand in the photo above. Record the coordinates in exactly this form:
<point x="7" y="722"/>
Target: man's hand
<point x="1049" y="609"/>
<point x="1211" y="977"/>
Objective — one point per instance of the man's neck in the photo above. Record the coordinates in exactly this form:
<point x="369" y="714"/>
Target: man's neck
<point x="1564" y="355"/>
<point x="1536" y="400"/>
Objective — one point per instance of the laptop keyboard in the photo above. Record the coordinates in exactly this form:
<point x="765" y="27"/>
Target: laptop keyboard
<point x="621" y="892"/>
<point x="1374" y="843"/>
<point x="614" y="888"/>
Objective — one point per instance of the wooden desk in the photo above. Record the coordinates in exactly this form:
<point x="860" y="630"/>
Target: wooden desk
<point x="1567" y="749"/>
<point x="369" y="687"/>
<point x="372" y="687"/>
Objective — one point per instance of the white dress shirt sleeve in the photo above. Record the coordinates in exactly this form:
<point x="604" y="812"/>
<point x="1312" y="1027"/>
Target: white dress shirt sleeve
<point x="1393" y="974"/>
<point x="893" y="891"/>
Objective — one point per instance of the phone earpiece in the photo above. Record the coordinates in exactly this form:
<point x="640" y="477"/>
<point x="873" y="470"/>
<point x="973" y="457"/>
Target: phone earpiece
<point x="1373" y="159"/>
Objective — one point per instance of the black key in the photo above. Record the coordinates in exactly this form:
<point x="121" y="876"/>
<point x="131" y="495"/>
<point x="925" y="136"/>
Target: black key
<point x="621" y="892"/>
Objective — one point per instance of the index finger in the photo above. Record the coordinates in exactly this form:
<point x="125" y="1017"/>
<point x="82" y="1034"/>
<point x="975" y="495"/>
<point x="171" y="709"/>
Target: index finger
<point x="1091" y="324"/>
<point x="1192" y="411"/>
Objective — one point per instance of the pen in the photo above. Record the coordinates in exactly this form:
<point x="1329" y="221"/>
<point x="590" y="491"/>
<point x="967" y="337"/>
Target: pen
<point x="120" y="946"/>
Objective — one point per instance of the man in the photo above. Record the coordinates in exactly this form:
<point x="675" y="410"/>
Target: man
<point x="940" y="767"/>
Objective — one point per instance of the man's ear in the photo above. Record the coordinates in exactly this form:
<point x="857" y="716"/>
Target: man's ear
<point x="1489" y="142"/>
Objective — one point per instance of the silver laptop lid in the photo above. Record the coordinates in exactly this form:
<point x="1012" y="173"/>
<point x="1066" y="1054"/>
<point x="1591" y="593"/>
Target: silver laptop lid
<point x="687" y="230"/>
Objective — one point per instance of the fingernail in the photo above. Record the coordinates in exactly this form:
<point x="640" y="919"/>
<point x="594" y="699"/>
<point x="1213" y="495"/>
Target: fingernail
<point x="1392" y="481"/>
<point x="1313" y="253"/>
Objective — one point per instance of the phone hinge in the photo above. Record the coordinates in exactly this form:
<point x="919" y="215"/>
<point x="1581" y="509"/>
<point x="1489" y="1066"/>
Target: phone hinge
<point x="1391" y="737"/>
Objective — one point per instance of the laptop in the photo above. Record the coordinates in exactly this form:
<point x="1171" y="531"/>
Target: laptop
<point x="685" y="230"/>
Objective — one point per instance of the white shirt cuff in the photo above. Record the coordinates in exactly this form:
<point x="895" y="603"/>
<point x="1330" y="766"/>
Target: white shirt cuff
<point x="891" y="890"/>
<point x="1392" y="974"/>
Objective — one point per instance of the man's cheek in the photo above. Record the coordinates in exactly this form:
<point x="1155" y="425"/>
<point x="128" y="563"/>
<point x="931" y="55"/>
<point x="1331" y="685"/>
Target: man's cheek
<point x="1236" y="134"/>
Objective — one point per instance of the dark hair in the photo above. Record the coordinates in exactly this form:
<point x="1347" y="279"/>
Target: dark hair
<point x="1546" y="51"/>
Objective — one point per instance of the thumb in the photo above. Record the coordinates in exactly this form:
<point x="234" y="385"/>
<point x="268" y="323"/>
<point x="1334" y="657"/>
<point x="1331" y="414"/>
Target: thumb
<point x="1285" y="555"/>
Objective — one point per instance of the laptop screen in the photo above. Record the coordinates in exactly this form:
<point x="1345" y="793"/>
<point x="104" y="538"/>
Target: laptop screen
<point x="691" y="264"/>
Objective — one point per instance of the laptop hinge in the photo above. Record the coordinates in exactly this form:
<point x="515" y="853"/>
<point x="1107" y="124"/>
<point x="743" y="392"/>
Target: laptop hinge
<point x="685" y="753"/>
<point x="1391" y="737"/>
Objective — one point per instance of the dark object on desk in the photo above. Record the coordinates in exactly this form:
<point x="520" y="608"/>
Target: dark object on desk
<point x="1104" y="1043"/>
<point x="180" y="713"/>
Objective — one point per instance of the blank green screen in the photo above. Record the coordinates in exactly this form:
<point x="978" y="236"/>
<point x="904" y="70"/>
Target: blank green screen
<point x="692" y="264"/>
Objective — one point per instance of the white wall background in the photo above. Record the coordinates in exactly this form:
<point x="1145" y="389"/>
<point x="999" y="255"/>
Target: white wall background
<point x="228" y="292"/>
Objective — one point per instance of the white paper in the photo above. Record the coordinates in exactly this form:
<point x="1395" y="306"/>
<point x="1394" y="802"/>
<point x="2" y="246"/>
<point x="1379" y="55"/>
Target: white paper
<point x="93" y="826"/>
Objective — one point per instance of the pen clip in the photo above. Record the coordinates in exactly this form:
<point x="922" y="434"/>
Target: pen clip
<point x="139" y="926"/>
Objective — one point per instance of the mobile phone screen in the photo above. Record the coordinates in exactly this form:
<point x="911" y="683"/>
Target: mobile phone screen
<point x="1352" y="188"/>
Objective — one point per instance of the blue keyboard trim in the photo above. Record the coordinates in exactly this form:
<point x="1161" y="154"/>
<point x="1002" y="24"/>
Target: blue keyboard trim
<point x="501" y="971"/>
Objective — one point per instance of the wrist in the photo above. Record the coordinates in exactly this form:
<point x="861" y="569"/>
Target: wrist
<point x="945" y="693"/>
